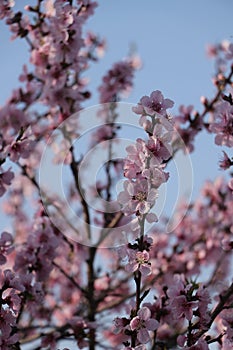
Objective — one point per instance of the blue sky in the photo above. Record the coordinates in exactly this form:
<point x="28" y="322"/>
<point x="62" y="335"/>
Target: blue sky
<point x="171" y="38"/>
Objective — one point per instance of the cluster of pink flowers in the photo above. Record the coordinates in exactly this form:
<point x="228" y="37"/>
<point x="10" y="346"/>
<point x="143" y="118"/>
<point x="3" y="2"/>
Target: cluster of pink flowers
<point x="222" y="124"/>
<point x="6" y="241"/>
<point x="38" y="253"/>
<point x="141" y="324"/>
<point x="144" y="170"/>
<point x="118" y="80"/>
<point x="145" y="161"/>
<point x="5" y="180"/>
<point x="222" y="53"/>
<point x="184" y="308"/>
<point x="59" y="55"/>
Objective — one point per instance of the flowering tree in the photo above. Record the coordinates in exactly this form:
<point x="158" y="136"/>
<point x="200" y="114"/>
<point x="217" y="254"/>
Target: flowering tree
<point x="111" y="276"/>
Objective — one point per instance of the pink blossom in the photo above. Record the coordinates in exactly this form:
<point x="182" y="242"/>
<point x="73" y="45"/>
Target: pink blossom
<point x="227" y="321"/>
<point x="200" y="344"/>
<point x="38" y="253"/>
<point x="137" y="197"/>
<point x="136" y="159"/>
<point x="49" y="7"/>
<point x="120" y="324"/>
<point x="181" y="305"/>
<point x="21" y="149"/>
<point x="103" y="133"/>
<point x="10" y="280"/>
<point x="50" y="340"/>
<point x="222" y="124"/>
<point x="94" y="42"/>
<point x="117" y="81"/>
<point x="6" y="247"/>
<point x="5" y="8"/>
<point x="153" y="105"/>
<point x="7" y="321"/>
<point x="62" y="152"/>
<point x="139" y="261"/>
<point x="159" y="143"/>
<point x="87" y="8"/>
<point x="143" y="323"/>
<point x="5" y="180"/>
<point x="185" y="113"/>
<point x="204" y="300"/>
<point x="183" y="308"/>
<point x="156" y="176"/>
<point x="225" y="162"/>
<point x="78" y="325"/>
<point x="229" y="53"/>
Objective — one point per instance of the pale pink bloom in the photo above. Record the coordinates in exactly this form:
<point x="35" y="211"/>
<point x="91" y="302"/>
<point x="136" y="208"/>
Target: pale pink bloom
<point x="21" y="149"/>
<point x="203" y="301"/>
<point x="143" y="323"/>
<point x="229" y="53"/>
<point x="153" y="105"/>
<point x="212" y="50"/>
<point x="7" y="320"/>
<point x="5" y="8"/>
<point x="225" y="162"/>
<point x="139" y="261"/>
<point x="62" y="152"/>
<point x="78" y="325"/>
<point x="200" y="344"/>
<point x="183" y="308"/>
<point x="6" y="247"/>
<point x="49" y="8"/>
<point x="227" y="321"/>
<point x="184" y="115"/>
<point x="137" y="197"/>
<point x="145" y="122"/>
<point x="6" y="343"/>
<point x="156" y="176"/>
<point x="5" y="180"/>
<point x="50" y="340"/>
<point x="151" y="217"/>
<point x="117" y="81"/>
<point x="10" y="280"/>
<point x="135" y="163"/>
<point x="120" y="323"/>
<point x="159" y="143"/>
<point x="93" y="41"/>
<point x="87" y="8"/>
<point x="222" y="124"/>
<point x="103" y="133"/>
<point x="38" y="253"/>
<point x="13" y="300"/>
<point x="102" y="283"/>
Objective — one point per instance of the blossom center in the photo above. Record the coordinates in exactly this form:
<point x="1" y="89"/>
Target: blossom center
<point x="140" y="196"/>
<point x="141" y="258"/>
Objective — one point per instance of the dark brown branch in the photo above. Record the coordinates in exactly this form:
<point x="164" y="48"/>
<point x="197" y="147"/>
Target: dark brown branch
<point x="74" y="169"/>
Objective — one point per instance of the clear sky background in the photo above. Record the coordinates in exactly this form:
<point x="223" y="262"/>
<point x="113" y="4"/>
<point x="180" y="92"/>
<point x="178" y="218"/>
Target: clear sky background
<point x="171" y="38"/>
